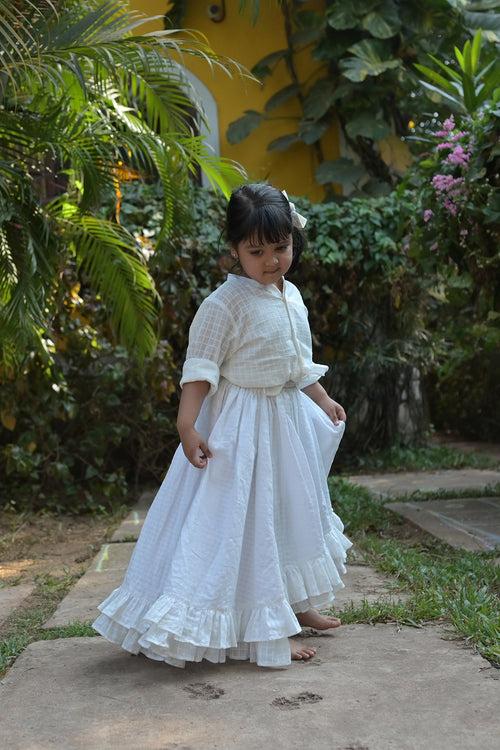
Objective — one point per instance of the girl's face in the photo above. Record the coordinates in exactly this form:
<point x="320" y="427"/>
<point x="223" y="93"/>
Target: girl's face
<point x="267" y="262"/>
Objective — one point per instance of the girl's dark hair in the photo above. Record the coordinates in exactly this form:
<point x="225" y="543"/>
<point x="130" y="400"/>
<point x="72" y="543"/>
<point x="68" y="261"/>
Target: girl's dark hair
<point x="260" y="211"/>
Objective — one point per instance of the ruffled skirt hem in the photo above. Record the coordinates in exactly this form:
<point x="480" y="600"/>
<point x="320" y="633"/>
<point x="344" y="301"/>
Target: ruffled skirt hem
<point x="171" y="630"/>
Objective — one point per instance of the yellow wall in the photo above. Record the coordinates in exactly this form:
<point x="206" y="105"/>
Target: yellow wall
<point x="235" y="37"/>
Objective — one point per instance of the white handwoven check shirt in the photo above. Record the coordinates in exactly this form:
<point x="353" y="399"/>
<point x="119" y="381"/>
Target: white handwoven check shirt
<point x="254" y="336"/>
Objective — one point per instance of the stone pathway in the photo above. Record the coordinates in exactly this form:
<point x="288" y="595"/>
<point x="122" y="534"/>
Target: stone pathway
<point x="381" y="687"/>
<point x="398" y="484"/>
<point x="104" y="574"/>
<point x="369" y="687"/>
<point x="11" y="597"/>
<point x="131" y="526"/>
<point x="469" y="523"/>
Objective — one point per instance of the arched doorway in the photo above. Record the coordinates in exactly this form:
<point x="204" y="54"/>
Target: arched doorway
<point x="209" y="106"/>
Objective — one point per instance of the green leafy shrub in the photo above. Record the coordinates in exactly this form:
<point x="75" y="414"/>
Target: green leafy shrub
<point x="82" y="426"/>
<point x="455" y="236"/>
<point x="88" y="422"/>
<point x="82" y="423"/>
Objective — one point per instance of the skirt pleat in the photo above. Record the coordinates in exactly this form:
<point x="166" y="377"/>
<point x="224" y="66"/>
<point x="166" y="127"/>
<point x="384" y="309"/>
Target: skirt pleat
<point x="228" y="554"/>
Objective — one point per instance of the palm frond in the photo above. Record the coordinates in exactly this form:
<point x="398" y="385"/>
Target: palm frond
<point x="28" y="271"/>
<point x="83" y="96"/>
<point x="100" y="37"/>
<point x="118" y="273"/>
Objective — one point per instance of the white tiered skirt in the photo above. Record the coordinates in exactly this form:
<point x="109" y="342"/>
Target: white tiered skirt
<point x="229" y="553"/>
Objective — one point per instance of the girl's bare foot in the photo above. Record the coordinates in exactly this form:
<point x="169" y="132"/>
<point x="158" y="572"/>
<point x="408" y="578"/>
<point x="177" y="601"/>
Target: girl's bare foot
<point x="313" y="619"/>
<point x="298" y="651"/>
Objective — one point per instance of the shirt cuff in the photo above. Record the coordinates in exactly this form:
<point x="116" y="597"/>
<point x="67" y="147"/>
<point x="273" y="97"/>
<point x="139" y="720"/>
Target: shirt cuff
<point x="196" y="368"/>
<point x="312" y="375"/>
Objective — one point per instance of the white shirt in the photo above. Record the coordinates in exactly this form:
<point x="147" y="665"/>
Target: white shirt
<point x="253" y="335"/>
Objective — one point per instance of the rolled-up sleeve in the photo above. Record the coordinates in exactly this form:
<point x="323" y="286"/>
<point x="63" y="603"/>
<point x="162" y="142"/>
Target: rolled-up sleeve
<point x="313" y="373"/>
<point x="210" y="336"/>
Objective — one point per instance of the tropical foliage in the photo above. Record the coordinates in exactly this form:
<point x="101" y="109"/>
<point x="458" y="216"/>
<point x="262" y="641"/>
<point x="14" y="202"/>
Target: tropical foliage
<point x="367" y="54"/>
<point x="410" y="279"/>
<point x="86" y="103"/>
<point x="455" y="238"/>
<point x="80" y="431"/>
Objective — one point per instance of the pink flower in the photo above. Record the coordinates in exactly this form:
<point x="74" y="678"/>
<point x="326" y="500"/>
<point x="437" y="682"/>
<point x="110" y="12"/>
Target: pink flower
<point x="446" y="182"/>
<point x="428" y="214"/>
<point x="440" y="146"/>
<point x="456" y="136"/>
<point x="442" y="181"/>
<point x="457" y="188"/>
<point x="449" y="124"/>
<point x="458" y="156"/>
<point x="450" y="206"/>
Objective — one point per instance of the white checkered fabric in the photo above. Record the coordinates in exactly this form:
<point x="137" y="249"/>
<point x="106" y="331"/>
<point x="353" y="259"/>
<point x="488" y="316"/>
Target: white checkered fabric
<point x="253" y="335"/>
<point x="229" y="554"/>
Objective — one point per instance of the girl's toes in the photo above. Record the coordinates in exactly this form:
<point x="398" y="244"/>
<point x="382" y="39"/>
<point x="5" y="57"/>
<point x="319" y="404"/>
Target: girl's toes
<point x="298" y="651"/>
<point x="332" y="622"/>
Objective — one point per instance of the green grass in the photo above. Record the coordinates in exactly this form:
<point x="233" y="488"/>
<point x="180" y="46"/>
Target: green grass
<point x="455" y="586"/>
<point x="25" y="625"/>
<point x="447" y="585"/>
<point x="490" y="490"/>
<point x="420" y="458"/>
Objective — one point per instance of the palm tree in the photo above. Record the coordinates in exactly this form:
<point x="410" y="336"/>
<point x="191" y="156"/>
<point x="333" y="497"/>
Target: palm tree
<point x="82" y="100"/>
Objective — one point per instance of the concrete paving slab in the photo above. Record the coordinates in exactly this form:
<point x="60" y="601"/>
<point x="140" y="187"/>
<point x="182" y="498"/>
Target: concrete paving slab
<point x="131" y="526"/>
<point x="104" y="574"/>
<point x="12" y="597"/>
<point x="468" y="523"/>
<point x="400" y="484"/>
<point x="376" y="687"/>
<point x="146" y="498"/>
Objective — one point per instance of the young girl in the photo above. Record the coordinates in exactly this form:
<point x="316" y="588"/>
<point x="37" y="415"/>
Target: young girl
<point x="240" y="546"/>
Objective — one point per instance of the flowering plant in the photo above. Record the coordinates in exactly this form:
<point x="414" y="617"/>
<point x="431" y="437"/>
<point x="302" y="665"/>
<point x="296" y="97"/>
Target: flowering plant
<point x="456" y="178"/>
<point x="453" y="234"/>
<point x="457" y="202"/>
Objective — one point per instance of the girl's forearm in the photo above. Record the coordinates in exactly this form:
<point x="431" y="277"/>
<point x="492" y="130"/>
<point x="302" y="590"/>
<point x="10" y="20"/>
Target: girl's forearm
<point x="192" y="396"/>
<point x="315" y="391"/>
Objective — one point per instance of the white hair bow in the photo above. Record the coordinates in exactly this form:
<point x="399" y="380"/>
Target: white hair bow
<point x="297" y="219"/>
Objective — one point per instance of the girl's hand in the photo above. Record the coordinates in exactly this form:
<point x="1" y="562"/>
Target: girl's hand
<point x="195" y="448"/>
<point x="334" y="410"/>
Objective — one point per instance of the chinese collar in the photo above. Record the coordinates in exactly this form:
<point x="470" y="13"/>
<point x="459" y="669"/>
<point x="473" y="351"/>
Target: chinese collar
<point x="272" y="287"/>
